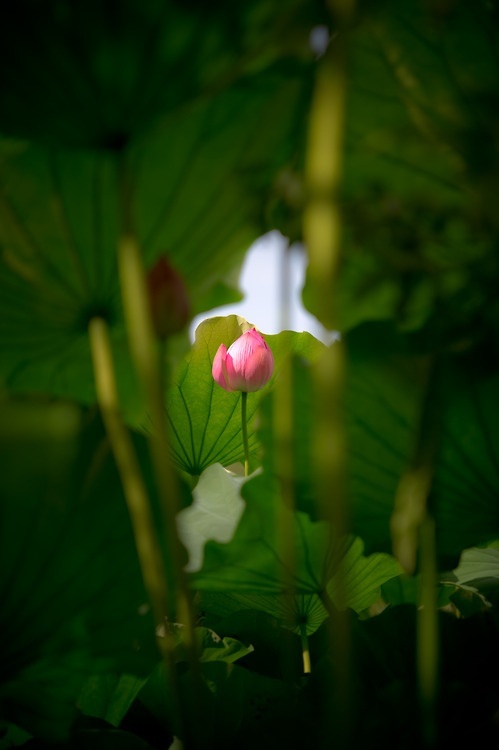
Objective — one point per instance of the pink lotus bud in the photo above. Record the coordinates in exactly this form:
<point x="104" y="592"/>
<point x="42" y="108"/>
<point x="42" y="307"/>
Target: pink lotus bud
<point x="246" y="366"/>
<point x="169" y="302"/>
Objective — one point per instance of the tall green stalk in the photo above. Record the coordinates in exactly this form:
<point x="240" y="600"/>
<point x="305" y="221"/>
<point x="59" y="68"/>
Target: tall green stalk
<point x="322" y="236"/>
<point x="244" y="421"/>
<point x="305" y="650"/>
<point x="134" y="489"/>
<point x="283" y="456"/>
<point x="135" y="492"/>
<point x="145" y="356"/>
<point x="428" y="634"/>
<point x="413" y="534"/>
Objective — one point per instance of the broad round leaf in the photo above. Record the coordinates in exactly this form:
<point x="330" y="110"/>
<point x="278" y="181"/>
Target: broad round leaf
<point x="252" y="572"/>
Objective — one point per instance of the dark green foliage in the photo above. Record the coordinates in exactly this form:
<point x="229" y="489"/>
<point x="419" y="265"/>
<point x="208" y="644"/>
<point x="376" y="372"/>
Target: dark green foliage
<point x="185" y="125"/>
<point x="73" y="602"/>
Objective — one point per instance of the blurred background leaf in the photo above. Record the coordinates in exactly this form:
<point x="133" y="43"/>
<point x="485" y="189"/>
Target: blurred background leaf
<point x="199" y="183"/>
<point x="420" y="168"/>
<point x="201" y="110"/>
<point x="383" y="400"/>
<point x="385" y="384"/>
<point x="99" y="75"/>
<point x="73" y="601"/>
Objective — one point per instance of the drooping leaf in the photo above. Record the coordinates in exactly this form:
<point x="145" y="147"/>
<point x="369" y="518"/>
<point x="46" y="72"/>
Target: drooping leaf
<point x="214" y="513"/>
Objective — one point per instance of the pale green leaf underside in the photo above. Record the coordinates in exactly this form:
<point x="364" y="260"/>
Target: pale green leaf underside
<point x="214" y="513"/>
<point x="478" y="563"/>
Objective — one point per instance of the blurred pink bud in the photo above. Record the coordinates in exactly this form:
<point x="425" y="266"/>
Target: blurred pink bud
<point x="170" y="305"/>
<point x="247" y="365"/>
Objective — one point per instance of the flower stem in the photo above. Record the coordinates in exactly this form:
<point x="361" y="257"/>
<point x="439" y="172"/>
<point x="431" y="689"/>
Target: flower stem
<point x="244" y="400"/>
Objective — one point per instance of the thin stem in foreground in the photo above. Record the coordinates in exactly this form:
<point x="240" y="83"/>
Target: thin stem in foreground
<point x="144" y="351"/>
<point x="305" y="650"/>
<point x="244" y="400"/>
<point x="135" y="492"/>
<point x="147" y="365"/>
<point x="322" y="237"/>
<point x="128" y="467"/>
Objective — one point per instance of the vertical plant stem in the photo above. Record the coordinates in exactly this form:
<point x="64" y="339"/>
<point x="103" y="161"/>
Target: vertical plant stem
<point x="285" y="288"/>
<point x="126" y="460"/>
<point x="283" y="458"/>
<point x="305" y="651"/>
<point x="244" y="423"/>
<point x="413" y="534"/>
<point x="427" y="634"/>
<point x="322" y="235"/>
<point x="146" y="360"/>
<point x="321" y="218"/>
<point x="135" y="491"/>
<point x="145" y="356"/>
